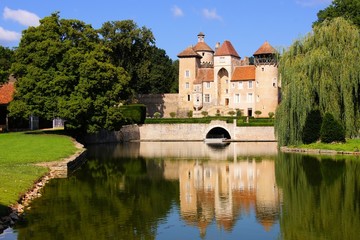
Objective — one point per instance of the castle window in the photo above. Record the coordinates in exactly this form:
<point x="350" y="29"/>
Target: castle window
<point x="250" y="98"/>
<point x="274" y="82"/>
<point x="240" y="85"/>
<point x="187" y="73"/>
<point x="250" y="84"/>
<point x="227" y="91"/>
<point x="262" y="69"/>
<point x="237" y="98"/>
<point x="233" y="85"/>
<point x="208" y="84"/>
<point x="189" y="98"/>
<point x="187" y="85"/>
<point x="207" y="98"/>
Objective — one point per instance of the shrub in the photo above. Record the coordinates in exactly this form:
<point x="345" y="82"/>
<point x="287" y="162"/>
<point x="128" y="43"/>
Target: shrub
<point x="218" y="113"/>
<point x="331" y="130"/>
<point x="239" y="113"/>
<point x="231" y="113"/>
<point x="204" y="113"/>
<point x="257" y="113"/>
<point x="190" y="114"/>
<point x="157" y="115"/>
<point x="311" y="130"/>
<point x="271" y="114"/>
<point x="173" y="114"/>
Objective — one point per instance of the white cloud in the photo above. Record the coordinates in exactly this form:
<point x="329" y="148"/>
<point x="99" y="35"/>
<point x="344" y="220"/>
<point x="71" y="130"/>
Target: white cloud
<point x="9" y="36"/>
<point x="211" y="14"/>
<point x="310" y="3"/>
<point x="21" y="16"/>
<point x="177" y="12"/>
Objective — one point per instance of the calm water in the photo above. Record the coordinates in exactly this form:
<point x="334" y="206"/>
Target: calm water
<point x="195" y="191"/>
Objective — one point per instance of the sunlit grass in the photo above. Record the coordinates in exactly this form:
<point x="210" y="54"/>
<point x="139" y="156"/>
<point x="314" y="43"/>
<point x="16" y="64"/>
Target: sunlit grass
<point x="19" y="152"/>
<point x="351" y="145"/>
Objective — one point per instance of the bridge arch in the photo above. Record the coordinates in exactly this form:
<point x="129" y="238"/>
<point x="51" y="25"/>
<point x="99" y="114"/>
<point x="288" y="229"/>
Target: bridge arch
<point x="218" y="132"/>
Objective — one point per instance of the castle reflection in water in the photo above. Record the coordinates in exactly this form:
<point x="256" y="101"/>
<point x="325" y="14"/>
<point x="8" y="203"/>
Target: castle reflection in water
<point x="218" y="183"/>
<point x="237" y="179"/>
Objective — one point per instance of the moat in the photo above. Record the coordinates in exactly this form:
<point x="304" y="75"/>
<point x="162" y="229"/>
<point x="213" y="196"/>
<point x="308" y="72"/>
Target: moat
<point x="191" y="190"/>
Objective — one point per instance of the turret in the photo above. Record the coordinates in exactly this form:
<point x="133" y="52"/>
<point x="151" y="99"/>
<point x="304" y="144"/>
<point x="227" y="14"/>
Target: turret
<point x="266" y="80"/>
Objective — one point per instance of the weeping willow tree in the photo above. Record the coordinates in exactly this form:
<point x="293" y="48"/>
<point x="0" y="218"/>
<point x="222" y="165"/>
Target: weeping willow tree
<point x="320" y="72"/>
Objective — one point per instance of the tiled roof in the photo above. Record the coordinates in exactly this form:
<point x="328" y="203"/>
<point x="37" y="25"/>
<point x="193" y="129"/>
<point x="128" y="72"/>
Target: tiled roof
<point x="202" y="46"/>
<point x="204" y="75"/>
<point x="6" y="92"/>
<point x="243" y="73"/>
<point x="226" y="49"/>
<point x="266" y="48"/>
<point x="189" y="52"/>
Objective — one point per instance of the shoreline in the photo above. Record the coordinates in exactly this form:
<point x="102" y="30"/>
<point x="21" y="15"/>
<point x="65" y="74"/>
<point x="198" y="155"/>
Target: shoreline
<point x="317" y="151"/>
<point x="56" y="169"/>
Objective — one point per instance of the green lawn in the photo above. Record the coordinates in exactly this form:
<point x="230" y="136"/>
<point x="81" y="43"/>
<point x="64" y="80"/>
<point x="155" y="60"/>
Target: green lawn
<point x="351" y="145"/>
<point x="19" y="152"/>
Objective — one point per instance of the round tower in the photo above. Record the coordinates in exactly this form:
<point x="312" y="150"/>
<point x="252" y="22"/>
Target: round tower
<point x="204" y="51"/>
<point x="266" y="80"/>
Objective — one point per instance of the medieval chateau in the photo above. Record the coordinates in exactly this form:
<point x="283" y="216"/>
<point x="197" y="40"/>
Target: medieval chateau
<point x="219" y="81"/>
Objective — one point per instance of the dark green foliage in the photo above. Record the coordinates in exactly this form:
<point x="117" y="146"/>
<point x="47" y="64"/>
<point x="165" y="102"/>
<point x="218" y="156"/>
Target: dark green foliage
<point x="133" y="48"/>
<point x="257" y="113"/>
<point x="331" y="130"/>
<point x="63" y="70"/>
<point x="6" y="59"/>
<point x="311" y="131"/>
<point x="348" y="9"/>
<point x="134" y="113"/>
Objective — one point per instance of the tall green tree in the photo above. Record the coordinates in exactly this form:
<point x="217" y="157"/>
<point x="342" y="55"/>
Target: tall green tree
<point x="133" y="48"/>
<point x="64" y="71"/>
<point x="348" y="9"/>
<point x="320" y="71"/>
<point x="6" y="59"/>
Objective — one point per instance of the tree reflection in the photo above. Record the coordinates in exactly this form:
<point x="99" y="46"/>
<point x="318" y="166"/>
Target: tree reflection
<point x="320" y="197"/>
<point x="112" y="199"/>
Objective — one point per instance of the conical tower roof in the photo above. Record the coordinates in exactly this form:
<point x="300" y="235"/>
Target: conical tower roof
<point x="188" y="52"/>
<point x="266" y="48"/>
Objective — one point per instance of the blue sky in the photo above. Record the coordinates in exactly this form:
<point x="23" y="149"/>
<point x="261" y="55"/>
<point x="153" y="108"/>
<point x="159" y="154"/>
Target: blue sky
<point x="176" y="23"/>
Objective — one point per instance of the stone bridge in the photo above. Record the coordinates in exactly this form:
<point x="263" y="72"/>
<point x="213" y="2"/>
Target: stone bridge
<point x="199" y="132"/>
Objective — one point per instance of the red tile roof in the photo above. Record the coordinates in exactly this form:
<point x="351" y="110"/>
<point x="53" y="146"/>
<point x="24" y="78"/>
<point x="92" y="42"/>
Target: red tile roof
<point x="189" y="52"/>
<point x="202" y="46"/>
<point x="226" y="49"/>
<point x="205" y="75"/>
<point x="243" y="73"/>
<point x="266" y="48"/>
<point x="6" y="92"/>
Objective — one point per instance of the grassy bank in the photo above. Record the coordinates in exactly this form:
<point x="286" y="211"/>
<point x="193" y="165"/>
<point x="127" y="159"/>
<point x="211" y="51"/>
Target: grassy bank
<point x="351" y="145"/>
<point x="18" y="154"/>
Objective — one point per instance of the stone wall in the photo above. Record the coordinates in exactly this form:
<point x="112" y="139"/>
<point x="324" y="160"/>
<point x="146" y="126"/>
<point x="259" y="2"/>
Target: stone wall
<point x="127" y="133"/>
<point x="162" y="103"/>
<point x="197" y="132"/>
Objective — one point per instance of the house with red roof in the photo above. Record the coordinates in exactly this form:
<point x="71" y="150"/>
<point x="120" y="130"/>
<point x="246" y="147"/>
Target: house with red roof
<point x="6" y="95"/>
<point x="219" y="81"/>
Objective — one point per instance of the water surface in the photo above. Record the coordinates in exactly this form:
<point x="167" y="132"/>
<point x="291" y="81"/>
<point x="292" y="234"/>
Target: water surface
<point x="191" y="190"/>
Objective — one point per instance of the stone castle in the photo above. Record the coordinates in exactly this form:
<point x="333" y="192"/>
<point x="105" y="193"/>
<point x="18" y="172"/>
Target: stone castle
<point x="219" y="81"/>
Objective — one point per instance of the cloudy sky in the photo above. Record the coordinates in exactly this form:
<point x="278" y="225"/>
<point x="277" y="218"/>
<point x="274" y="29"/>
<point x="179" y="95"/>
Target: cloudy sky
<point x="176" y="23"/>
